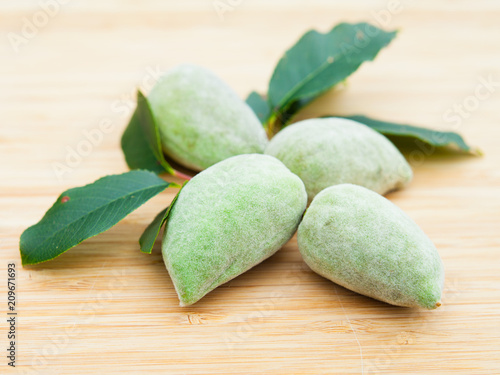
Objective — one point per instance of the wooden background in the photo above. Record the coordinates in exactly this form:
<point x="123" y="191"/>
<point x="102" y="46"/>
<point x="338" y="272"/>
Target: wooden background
<point x="105" y="308"/>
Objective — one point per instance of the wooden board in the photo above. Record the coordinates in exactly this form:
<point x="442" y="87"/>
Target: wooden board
<point x="105" y="308"/>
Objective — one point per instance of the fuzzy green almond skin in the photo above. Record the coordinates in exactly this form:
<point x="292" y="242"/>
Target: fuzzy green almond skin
<point x="229" y="218"/>
<point x="362" y="241"/>
<point x="328" y="151"/>
<point x="201" y="120"/>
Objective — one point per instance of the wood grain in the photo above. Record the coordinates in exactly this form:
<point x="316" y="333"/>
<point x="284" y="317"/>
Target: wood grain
<point x="105" y="308"/>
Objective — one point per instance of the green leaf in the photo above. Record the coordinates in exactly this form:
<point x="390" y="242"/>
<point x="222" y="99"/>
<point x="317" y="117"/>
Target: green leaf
<point x="135" y="146"/>
<point x="259" y="105"/>
<point x="317" y="62"/>
<point x="86" y="211"/>
<point x="141" y="142"/>
<point x="428" y="136"/>
<point x="148" y="238"/>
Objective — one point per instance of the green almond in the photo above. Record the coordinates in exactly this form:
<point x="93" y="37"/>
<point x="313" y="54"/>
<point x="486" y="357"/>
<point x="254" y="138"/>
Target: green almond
<point x="227" y="219"/>
<point x="201" y="120"/>
<point x="330" y="151"/>
<point x="360" y="240"/>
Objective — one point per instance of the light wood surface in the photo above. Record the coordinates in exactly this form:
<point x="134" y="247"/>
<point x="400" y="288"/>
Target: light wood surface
<point x="105" y="308"/>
